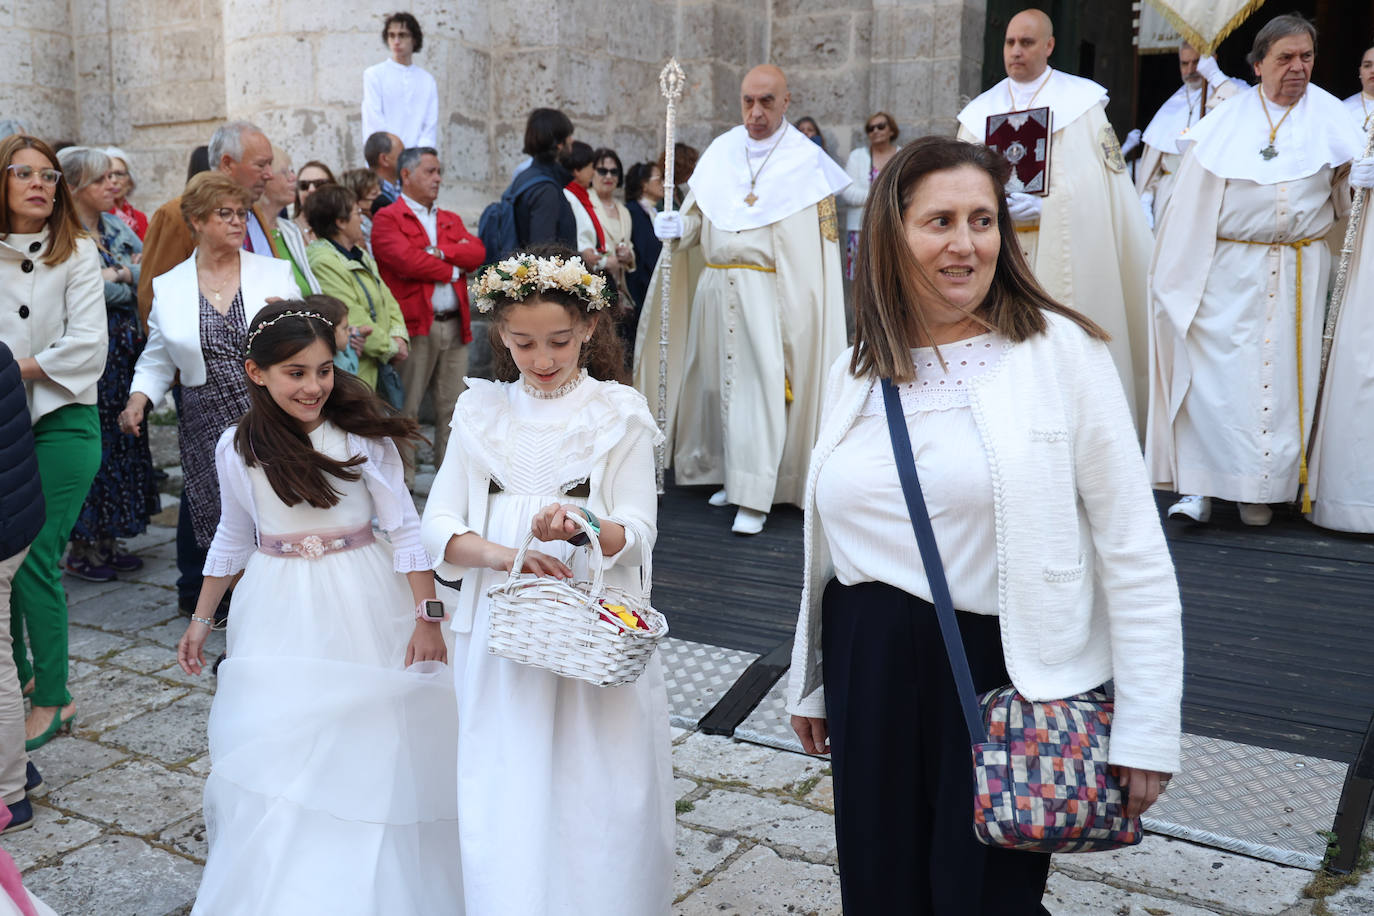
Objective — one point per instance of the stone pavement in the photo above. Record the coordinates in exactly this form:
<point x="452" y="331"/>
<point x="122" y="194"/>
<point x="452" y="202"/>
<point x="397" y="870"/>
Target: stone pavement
<point x="119" y="832"/>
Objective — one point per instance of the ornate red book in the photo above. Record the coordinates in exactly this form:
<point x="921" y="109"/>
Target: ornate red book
<point x="1023" y="137"/>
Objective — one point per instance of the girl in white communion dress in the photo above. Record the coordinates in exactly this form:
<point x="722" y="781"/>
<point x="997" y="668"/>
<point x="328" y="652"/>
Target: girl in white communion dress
<point x="331" y="786"/>
<point x="564" y="788"/>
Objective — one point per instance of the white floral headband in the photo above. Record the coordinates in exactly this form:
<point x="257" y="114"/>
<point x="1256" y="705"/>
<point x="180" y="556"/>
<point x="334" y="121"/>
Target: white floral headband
<point x="264" y="325"/>
<point x="523" y="275"/>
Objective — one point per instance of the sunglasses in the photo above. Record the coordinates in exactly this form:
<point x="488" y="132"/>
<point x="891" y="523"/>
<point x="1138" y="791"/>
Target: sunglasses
<point x="49" y="177"/>
<point x="312" y="184"/>
<point x="607" y="173"/>
<point x="872" y="127"/>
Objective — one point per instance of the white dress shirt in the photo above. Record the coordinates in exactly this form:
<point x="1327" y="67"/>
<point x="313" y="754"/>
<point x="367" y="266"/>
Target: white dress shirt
<point x="859" y="495"/>
<point x="445" y="299"/>
<point x="403" y="100"/>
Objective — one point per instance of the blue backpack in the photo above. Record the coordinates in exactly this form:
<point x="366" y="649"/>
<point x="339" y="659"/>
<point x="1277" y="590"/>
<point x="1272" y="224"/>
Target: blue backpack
<point x="496" y="228"/>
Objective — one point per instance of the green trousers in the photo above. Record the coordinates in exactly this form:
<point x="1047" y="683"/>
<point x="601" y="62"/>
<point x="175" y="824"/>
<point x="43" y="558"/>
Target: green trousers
<point x="67" y="442"/>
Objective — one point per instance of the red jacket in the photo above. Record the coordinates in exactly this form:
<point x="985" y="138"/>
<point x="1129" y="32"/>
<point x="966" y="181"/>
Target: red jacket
<point x="399" y="242"/>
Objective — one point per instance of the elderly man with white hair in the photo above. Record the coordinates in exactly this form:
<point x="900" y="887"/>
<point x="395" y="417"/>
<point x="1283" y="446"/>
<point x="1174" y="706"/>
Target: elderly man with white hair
<point x="1238" y="285"/>
<point x="241" y="151"/>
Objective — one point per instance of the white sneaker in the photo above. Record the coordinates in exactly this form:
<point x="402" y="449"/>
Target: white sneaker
<point x="748" y="521"/>
<point x="719" y="498"/>
<point x="1198" y="508"/>
<point x="1256" y="514"/>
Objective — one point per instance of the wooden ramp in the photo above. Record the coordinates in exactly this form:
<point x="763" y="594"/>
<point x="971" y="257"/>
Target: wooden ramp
<point x="1278" y="621"/>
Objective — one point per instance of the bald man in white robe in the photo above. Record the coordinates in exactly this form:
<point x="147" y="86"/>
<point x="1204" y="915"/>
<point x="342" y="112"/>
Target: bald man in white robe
<point x="1087" y="240"/>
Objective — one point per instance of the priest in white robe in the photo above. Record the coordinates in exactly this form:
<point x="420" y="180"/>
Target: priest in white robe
<point x="758" y="318"/>
<point x="1361" y="104"/>
<point x="1087" y="240"/>
<point x="1238" y="286"/>
<point x="1204" y="87"/>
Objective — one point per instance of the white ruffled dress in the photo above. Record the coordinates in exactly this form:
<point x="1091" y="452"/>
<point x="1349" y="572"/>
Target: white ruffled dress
<point x="331" y="781"/>
<point x="564" y="789"/>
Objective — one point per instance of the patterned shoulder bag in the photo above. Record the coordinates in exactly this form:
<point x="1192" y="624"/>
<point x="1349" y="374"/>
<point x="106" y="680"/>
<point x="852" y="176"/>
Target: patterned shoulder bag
<point x="1040" y="773"/>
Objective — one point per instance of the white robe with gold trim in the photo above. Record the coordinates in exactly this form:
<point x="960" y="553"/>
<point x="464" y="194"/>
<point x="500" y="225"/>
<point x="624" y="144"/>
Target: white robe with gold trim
<point x="1091" y="249"/>
<point x="737" y="337"/>
<point x="1230" y="410"/>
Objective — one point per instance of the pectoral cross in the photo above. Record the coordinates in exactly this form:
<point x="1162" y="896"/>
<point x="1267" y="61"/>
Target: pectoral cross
<point x="750" y="199"/>
<point x="1269" y="152"/>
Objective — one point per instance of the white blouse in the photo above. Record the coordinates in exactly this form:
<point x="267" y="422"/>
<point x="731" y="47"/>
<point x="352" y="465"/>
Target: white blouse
<point x="859" y="496"/>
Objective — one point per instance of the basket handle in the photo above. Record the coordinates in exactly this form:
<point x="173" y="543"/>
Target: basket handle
<point x="646" y="567"/>
<point x="593" y="544"/>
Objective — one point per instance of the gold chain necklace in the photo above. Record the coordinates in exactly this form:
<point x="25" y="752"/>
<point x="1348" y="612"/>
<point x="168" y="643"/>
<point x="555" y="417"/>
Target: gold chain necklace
<point x="216" y="290"/>
<point x="1012" y="98"/>
<point x="751" y="198"/>
<point x="1269" y="152"/>
<point x="1365" y="108"/>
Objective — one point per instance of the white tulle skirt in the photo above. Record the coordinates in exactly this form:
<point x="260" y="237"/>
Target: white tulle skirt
<point x="331" y="788"/>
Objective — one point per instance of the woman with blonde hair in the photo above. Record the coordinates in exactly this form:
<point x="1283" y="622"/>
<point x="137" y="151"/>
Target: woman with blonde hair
<point x="201" y="313"/>
<point x="1045" y="526"/>
<point x="123" y="496"/>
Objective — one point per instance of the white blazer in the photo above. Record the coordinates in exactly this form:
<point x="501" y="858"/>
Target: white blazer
<point x="1086" y="588"/>
<point x="55" y="315"/>
<point x="174" y="321"/>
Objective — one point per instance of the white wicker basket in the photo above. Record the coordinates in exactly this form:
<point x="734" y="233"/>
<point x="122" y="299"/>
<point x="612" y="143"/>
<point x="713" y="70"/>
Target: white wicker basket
<point x="557" y="624"/>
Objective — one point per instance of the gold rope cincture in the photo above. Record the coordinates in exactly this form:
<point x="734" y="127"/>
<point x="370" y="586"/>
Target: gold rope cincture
<point x="767" y="270"/>
<point x="1297" y="246"/>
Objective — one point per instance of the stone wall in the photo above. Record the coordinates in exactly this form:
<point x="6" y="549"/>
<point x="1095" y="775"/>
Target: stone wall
<point x="37" y="82"/>
<point x="157" y="76"/>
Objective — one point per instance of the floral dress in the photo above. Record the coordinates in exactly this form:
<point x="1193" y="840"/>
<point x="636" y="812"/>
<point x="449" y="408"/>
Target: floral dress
<point x="124" y="493"/>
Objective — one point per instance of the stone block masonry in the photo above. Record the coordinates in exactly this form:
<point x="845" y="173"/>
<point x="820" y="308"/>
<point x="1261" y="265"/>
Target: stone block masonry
<point x="157" y="76"/>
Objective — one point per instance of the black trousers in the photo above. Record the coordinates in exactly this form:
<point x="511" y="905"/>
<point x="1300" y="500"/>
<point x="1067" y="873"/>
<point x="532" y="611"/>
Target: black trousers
<point x="902" y="765"/>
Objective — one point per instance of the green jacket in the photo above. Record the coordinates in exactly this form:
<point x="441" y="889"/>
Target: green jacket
<point x="358" y="285"/>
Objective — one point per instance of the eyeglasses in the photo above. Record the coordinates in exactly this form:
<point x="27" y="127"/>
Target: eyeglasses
<point x="48" y="177"/>
<point x="607" y="173"/>
<point x="228" y="215"/>
<point x="117" y="173"/>
<point x="872" y="127"/>
<point x="312" y="183"/>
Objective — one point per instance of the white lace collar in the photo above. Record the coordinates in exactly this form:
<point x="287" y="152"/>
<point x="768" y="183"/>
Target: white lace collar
<point x="947" y="387"/>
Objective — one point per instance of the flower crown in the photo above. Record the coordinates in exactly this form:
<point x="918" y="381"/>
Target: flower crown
<point x="264" y="325"/>
<point x="523" y="275"/>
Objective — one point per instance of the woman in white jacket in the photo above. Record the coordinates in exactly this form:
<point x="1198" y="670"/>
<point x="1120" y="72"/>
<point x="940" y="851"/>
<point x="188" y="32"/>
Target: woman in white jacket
<point x="863" y="165"/>
<point x="52" y="315"/>
<point x="202" y="311"/>
<point x="1043" y="515"/>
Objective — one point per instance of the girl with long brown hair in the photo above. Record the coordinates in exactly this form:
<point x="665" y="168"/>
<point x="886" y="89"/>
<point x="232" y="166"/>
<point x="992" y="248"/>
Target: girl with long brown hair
<point x="333" y="720"/>
<point x="556" y="436"/>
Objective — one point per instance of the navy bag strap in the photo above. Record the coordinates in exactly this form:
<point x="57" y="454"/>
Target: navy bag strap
<point x="930" y="557"/>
